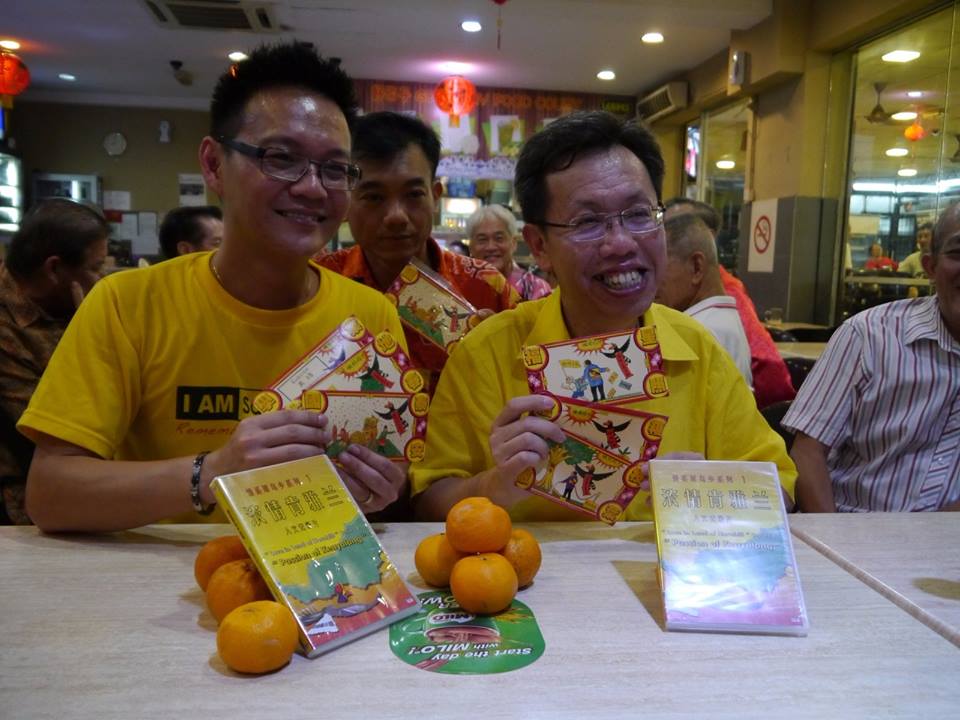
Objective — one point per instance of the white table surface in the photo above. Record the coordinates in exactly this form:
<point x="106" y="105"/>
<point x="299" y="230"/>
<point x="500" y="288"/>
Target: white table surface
<point x="114" y="627"/>
<point x="911" y="558"/>
<point x="810" y="350"/>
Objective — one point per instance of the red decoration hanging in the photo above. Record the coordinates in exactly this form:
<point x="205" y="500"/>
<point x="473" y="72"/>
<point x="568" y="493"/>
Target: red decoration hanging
<point x="915" y="132"/>
<point x="14" y="78"/>
<point x="456" y="96"/>
<point x="500" y="4"/>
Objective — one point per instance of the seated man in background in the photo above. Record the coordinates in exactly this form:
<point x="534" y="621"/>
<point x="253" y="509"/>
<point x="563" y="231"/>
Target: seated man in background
<point x="691" y="284"/>
<point x="391" y="218"/>
<point x="492" y="230"/>
<point x="54" y="259"/>
<point x="912" y="264"/>
<point x="589" y="186"/>
<point x="162" y="364"/>
<point x="878" y="418"/>
<point x="877" y="260"/>
<point x="191" y="229"/>
<point x="771" y="378"/>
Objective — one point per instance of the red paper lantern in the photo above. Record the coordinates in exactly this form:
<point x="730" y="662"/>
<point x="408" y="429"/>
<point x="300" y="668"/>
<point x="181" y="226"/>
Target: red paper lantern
<point x="915" y="132"/>
<point x="456" y="96"/>
<point x="14" y="77"/>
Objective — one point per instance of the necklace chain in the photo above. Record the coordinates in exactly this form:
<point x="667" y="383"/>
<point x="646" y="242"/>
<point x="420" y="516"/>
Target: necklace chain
<point x="216" y="273"/>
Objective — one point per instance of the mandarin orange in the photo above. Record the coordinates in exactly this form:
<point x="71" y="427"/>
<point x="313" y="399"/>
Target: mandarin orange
<point x="257" y="637"/>
<point x="523" y="552"/>
<point x="476" y="525"/>
<point x="435" y="558"/>
<point x="234" y="584"/>
<point x="483" y="584"/>
<point x="214" y="554"/>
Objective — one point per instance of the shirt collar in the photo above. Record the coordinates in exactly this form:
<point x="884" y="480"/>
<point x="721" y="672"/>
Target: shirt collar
<point x="550" y="327"/>
<point x="356" y="267"/>
<point x="23" y="310"/>
<point x="924" y="322"/>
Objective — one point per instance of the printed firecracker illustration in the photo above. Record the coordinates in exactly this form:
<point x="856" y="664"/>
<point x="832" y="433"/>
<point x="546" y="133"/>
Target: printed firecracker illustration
<point x="597" y="469"/>
<point x="613" y="368"/>
<point x="315" y="550"/>
<point x="430" y="306"/>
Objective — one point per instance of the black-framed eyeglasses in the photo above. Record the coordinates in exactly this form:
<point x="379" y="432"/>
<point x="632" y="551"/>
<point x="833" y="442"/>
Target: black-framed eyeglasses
<point x="594" y="227"/>
<point x="283" y="165"/>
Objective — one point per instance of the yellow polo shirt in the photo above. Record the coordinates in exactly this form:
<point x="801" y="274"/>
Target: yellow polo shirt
<point x="710" y="408"/>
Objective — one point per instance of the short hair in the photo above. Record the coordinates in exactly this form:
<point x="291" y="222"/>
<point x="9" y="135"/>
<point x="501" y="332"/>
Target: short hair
<point x="380" y="137"/>
<point x="183" y="223"/>
<point x="687" y="234"/>
<point x="566" y="139"/>
<point x="952" y="212"/>
<point x="294" y="64"/>
<point x="55" y="227"/>
<point x="707" y="213"/>
<point x="497" y="212"/>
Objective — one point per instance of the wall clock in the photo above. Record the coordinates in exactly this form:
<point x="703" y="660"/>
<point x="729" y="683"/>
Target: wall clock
<point x="115" y="144"/>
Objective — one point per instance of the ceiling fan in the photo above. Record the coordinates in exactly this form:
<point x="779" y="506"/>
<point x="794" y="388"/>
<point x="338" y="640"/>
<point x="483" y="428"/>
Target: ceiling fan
<point x="878" y="114"/>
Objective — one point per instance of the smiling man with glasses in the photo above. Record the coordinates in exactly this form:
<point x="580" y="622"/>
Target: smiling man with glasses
<point x="589" y="186"/>
<point x="151" y="392"/>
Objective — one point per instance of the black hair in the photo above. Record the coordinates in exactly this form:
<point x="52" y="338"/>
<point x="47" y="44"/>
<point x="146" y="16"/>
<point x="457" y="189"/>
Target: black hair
<point x="294" y="64"/>
<point x="54" y="227"/>
<point x="563" y="141"/>
<point x="183" y="223"/>
<point x="381" y="136"/>
<point x="707" y="213"/>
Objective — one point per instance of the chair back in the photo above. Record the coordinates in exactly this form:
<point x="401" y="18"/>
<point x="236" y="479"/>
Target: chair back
<point x="799" y="368"/>
<point x="773" y="414"/>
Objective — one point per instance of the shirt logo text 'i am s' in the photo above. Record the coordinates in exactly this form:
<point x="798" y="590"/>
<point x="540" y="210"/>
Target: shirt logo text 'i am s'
<point x="215" y="403"/>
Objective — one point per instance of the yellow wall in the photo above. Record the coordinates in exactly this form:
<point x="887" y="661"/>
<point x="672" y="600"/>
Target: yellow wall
<point x="69" y="139"/>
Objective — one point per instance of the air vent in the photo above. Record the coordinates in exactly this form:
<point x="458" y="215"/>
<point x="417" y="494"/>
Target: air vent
<point x="214" y="14"/>
<point x="662" y="101"/>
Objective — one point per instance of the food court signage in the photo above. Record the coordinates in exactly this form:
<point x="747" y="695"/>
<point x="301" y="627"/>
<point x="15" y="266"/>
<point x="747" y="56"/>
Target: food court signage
<point x="486" y="142"/>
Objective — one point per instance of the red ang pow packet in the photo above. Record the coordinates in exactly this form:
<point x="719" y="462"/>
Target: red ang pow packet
<point x="613" y="368"/>
<point x="430" y="306"/>
<point x="596" y="470"/>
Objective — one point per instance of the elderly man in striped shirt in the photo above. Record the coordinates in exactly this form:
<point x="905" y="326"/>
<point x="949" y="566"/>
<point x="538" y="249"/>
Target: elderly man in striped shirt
<point x="878" y="418"/>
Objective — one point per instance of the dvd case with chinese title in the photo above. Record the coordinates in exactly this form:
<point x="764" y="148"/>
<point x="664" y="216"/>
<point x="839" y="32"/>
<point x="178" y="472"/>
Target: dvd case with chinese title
<point x="726" y="556"/>
<point x="315" y="550"/>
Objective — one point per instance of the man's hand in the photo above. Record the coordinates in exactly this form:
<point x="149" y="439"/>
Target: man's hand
<point x="267" y="439"/>
<point x="519" y="440"/>
<point x="645" y="467"/>
<point x="373" y="480"/>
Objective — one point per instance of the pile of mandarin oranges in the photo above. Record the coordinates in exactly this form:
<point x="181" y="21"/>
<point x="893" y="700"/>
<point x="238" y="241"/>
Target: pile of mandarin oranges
<point x="481" y="557"/>
<point x="255" y="634"/>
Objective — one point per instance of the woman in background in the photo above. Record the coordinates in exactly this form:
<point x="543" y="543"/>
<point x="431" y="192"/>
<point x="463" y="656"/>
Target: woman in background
<point x="493" y="237"/>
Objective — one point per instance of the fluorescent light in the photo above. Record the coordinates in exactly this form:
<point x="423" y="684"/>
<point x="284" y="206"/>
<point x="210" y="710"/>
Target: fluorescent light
<point x="471" y="26"/>
<point x="897" y="152"/>
<point x="900" y="56"/>
<point x="726" y="164"/>
<point x="914" y="94"/>
<point x="905" y="115"/>
<point x="652" y="37"/>
<point x="607" y="75"/>
<point x="456" y="67"/>
<point x="907" y="172"/>
<point x="9" y="44"/>
<point x="237" y="56"/>
<point x="67" y="76"/>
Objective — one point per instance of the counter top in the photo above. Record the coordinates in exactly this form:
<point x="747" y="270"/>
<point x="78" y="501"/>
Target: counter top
<point x="113" y="626"/>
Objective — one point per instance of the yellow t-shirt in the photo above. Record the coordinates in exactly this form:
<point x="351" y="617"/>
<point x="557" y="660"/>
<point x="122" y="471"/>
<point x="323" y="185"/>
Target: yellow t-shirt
<point x="163" y="362"/>
<point x="710" y="408"/>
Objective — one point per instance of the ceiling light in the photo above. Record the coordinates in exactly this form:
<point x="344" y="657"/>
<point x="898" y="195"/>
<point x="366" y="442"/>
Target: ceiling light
<point x="914" y="94"/>
<point x="9" y="44"/>
<point x="471" y="26"/>
<point x="652" y="37"/>
<point x="907" y="172"/>
<point x="905" y="115"/>
<point x="897" y="152"/>
<point x="900" y="56"/>
<point x="237" y="56"/>
<point x="67" y="76"/>
<point x="458" y="68"/>
<point x="607" y="75"/>
<point x="726" y="164"/>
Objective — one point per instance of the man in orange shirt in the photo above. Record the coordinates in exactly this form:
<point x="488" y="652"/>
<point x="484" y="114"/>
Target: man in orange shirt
<point x="391" y="218"/>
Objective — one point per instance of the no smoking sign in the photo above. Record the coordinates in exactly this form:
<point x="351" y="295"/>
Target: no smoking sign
<point x="762" y="233"/>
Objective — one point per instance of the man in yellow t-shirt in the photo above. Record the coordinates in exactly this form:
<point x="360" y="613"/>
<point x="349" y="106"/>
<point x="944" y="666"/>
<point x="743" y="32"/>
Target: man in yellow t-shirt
<point x="161" y="365"/>
<point x="589" y="186"/>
